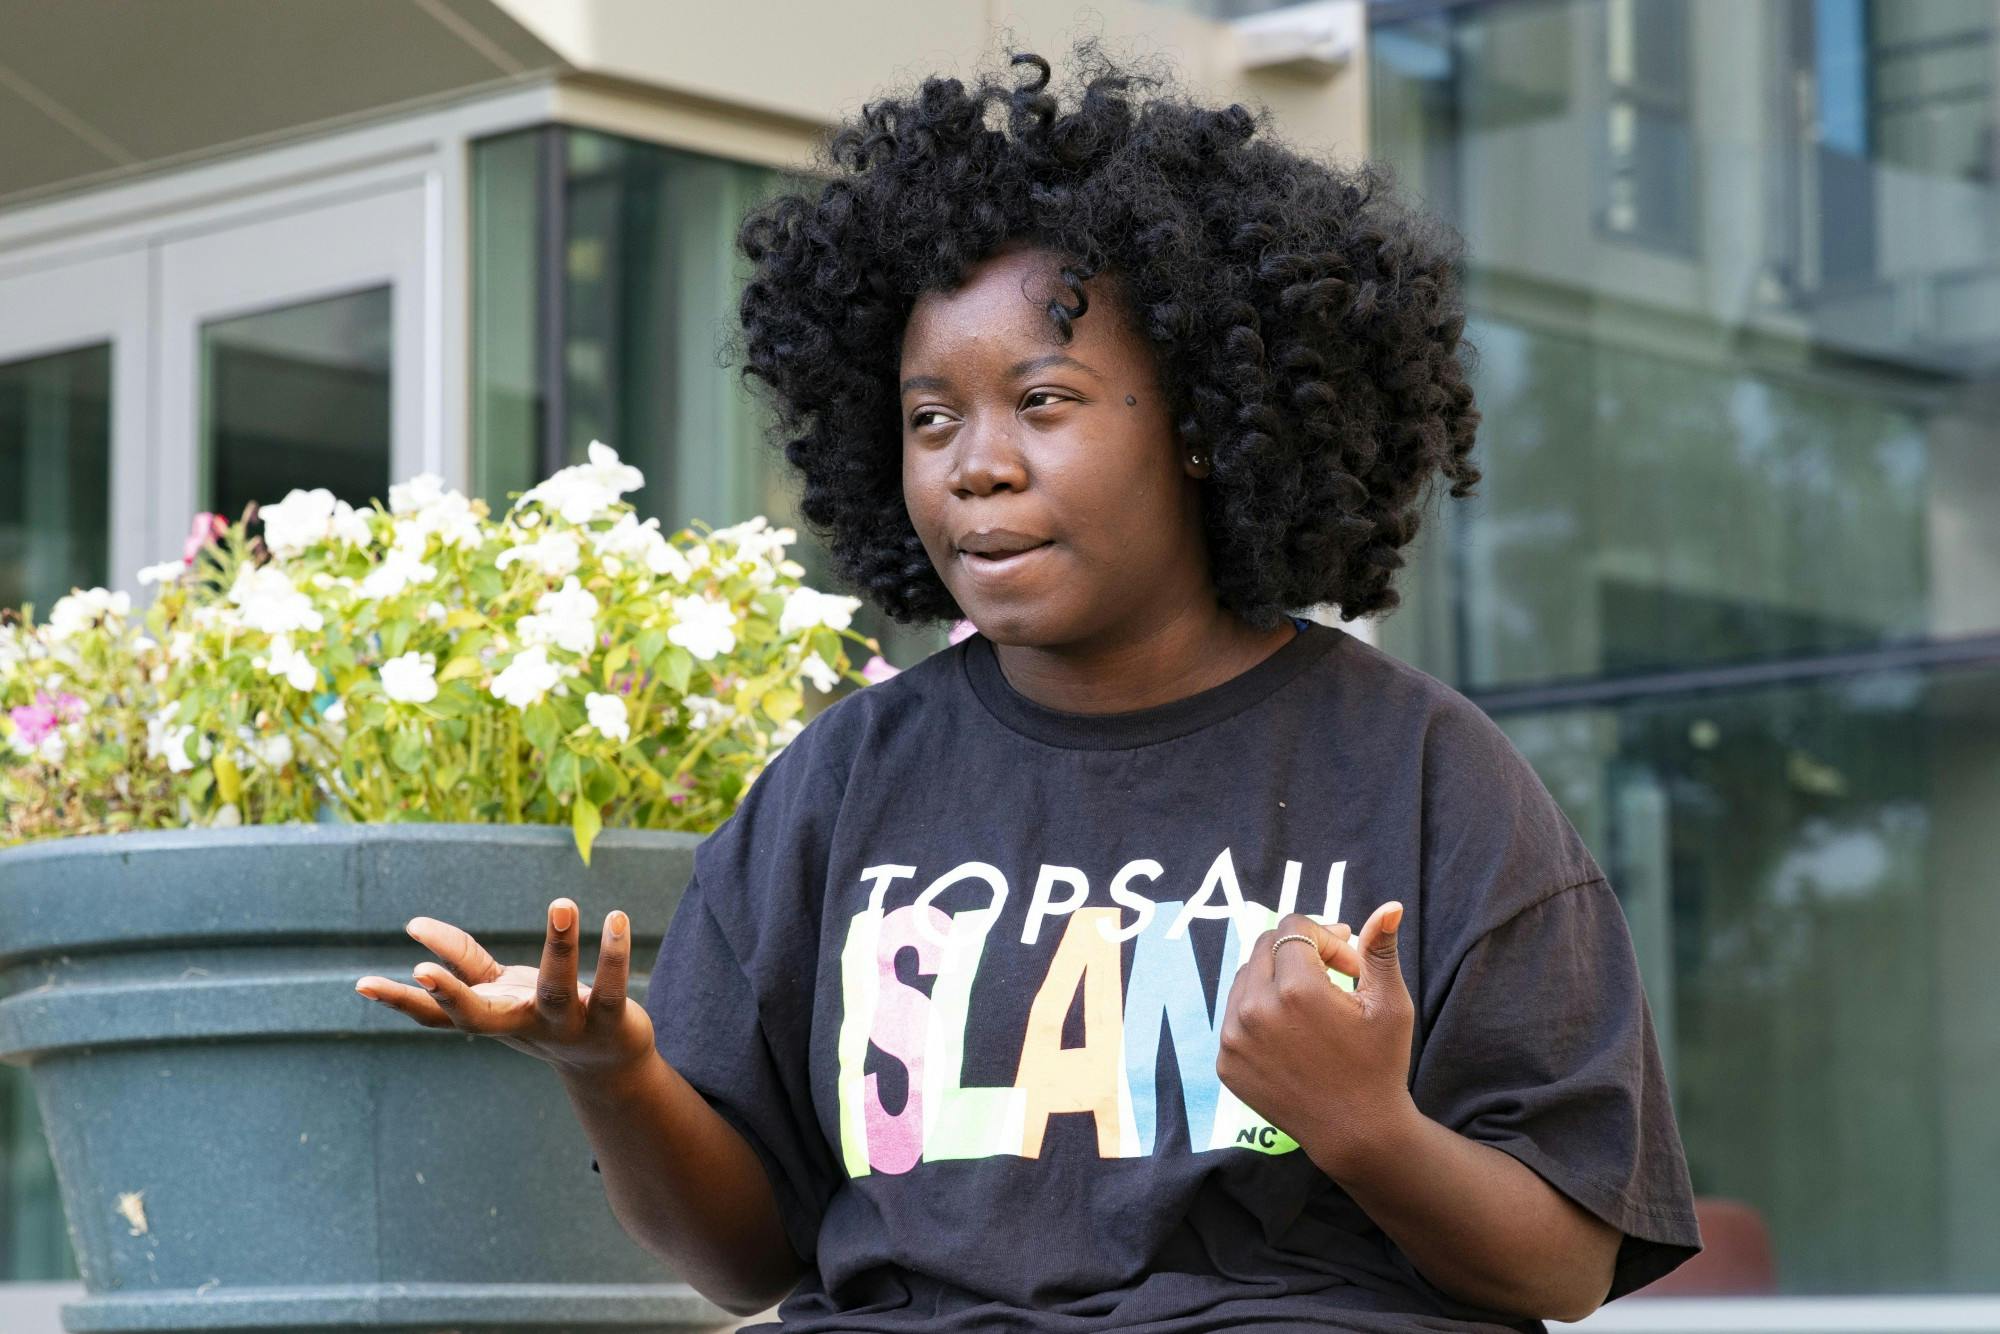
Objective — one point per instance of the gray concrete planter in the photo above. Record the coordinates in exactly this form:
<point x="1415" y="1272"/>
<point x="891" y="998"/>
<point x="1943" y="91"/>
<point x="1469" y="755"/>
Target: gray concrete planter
<point x="243" y="1142"/>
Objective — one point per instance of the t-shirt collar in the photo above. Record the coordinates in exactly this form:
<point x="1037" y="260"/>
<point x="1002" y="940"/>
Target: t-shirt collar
<point x="1140" y="727"/>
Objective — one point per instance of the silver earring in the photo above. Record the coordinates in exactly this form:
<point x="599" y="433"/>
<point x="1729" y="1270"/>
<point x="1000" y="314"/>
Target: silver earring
<point x="1198" y="459"/>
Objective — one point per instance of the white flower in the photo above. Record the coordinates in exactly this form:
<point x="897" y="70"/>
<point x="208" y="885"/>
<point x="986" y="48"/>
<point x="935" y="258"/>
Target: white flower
<point x="806" y="608"/>
<point x="305" y="519"/>
<point x="286" y="661"/>
<point x="269" y="601"/>
<point x="819" y="672"/>
<point x="785" y="733"/>
<point x="705" y="712"/>
<point x="336" y="712"/>
<point x="555" y="554"/>
<point x="166" y="572"/>
<point x="165" y="739"/>
<point x="180" y="646"/>
<point x="227" y="816"/>
<point x="81" y="609"/>
<point x="583" y="492"/>
<point x="350" y="525"/>
<point x="409" y="679"/>
<point x="50" y="748"/>
<point x="527" y="678"/>
<point x="420" y="492"/>
<point x="631" y="540"/>
<point x="703" y="626"/>
<point x="399" y="569"/>
<point x="755" y="537"/>
<point x="274" y="751"/>
<point x="607" y="715"/>
<point x="565" y="617"/>
<point x="422" y="506"/>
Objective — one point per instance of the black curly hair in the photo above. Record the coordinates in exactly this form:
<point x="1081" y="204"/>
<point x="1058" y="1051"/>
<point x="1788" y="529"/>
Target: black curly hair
<point x="1307" y="325"/>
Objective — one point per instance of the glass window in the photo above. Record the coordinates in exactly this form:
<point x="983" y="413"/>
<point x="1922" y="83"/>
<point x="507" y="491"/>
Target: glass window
<point x="1931" y="97"/>
<point x="55" y="475"/>
<point x="1647" y="186"/>
<point x="297" y="397"/>
<point x="605" y="289"/>
<point x="1783" y="448"/>
<point x="1732" y="578"/>
<point x="1807" y="872"/>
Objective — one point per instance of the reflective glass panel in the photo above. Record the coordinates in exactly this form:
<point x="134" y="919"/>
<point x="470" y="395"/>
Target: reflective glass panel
<point x="298" y="397"/>
<point x="55" y="475"/>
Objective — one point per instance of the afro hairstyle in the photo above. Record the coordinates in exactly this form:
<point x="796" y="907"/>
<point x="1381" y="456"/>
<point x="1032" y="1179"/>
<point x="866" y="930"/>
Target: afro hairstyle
<point x="1306" y="324"/>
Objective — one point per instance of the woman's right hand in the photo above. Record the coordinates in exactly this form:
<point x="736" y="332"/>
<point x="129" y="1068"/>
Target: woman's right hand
<point x="594" y="1030"/>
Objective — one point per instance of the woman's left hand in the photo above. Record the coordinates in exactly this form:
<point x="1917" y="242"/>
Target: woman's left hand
<point x="1328" y="1067"/>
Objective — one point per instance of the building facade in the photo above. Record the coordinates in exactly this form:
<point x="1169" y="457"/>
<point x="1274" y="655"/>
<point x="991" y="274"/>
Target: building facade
<point x="1732" y="581"/>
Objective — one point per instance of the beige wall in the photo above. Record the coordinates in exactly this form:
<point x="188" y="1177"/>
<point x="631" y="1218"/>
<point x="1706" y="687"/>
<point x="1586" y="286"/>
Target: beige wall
<point x="789" y="69"/>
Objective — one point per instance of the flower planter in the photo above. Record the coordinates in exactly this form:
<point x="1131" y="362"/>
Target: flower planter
<point x="244" y="1142"/>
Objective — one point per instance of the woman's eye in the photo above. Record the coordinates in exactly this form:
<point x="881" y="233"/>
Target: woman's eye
<point x="917" y="420"/>
<point x="1042" y="393"/>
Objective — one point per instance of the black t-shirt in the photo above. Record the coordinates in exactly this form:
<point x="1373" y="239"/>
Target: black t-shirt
<point x="956" y="968"/>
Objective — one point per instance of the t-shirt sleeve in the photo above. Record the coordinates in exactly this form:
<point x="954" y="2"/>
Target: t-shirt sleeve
<point x="1534" y="1034"/>
<point x="1544" y="1049"/>
<point x="709" y="1026"/>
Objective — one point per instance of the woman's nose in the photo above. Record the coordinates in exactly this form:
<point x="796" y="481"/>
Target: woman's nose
<point x="986" y="456"/>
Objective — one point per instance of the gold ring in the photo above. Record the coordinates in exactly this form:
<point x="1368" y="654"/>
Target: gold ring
<point x="1293" y="935"/>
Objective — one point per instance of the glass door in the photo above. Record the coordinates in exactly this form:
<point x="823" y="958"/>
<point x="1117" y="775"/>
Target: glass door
<point x="72" y="411"/>
<point x="298" y="351"/>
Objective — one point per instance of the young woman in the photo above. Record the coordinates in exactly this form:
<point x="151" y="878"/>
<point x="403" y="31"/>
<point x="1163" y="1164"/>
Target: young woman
<point x="1019" y="993"/>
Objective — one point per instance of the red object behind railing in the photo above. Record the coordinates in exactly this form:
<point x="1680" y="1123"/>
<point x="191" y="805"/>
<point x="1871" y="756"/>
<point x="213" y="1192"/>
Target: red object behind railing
<point x="1736" y="1258"/>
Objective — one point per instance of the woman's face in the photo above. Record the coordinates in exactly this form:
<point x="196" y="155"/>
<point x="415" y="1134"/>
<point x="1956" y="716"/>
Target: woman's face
<point x="1043" y="478"/>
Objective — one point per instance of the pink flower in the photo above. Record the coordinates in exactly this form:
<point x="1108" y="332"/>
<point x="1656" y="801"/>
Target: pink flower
<point x="35" y="721"/>
<point x="877" y="669"/>
<point x="963" y="629"/>
<point x="32" y="723"/>
<point x="207" y="528"/>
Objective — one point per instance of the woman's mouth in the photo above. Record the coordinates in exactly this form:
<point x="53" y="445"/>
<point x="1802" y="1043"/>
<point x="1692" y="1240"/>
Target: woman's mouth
<point x="1001" y="564"/>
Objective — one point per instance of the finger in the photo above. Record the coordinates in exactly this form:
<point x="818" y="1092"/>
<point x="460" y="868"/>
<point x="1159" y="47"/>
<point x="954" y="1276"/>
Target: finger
<point x="412" y="1001"/>
<point x="1381" y="968"/>
<point x="1296" y="965"/>
<point x="555" y="988"/>
<point x="459" y="951"/>
<point x="463" y="1006"/>
<point x="1261" y="965"/>
<point x="614" y="966"/>
<point x="1337" y="949"/>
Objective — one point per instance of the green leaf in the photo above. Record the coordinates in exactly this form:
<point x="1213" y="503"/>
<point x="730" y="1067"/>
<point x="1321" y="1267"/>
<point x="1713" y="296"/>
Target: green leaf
<point x="676" y="665"/>
<point x="600" y="783"/>
<point x="228" y="779"/>
<point x="615" y="660"/>
<point x="826" y="643"/>
<point x="563" y="772"/>
<point x="650" y="642"/>
<point x="485" y="582"/>
<point x="396" y="636"/>
<point x="406" y="749"/>
<point x="199" y="782"/>
<point x="463" y="665"/>
<point x="782" y="704"/>
<point x="539" y="725"/>
<point x="585" y="820"/>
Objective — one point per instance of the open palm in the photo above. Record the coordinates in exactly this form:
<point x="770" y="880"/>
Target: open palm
<point x="542" y="1009"/>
